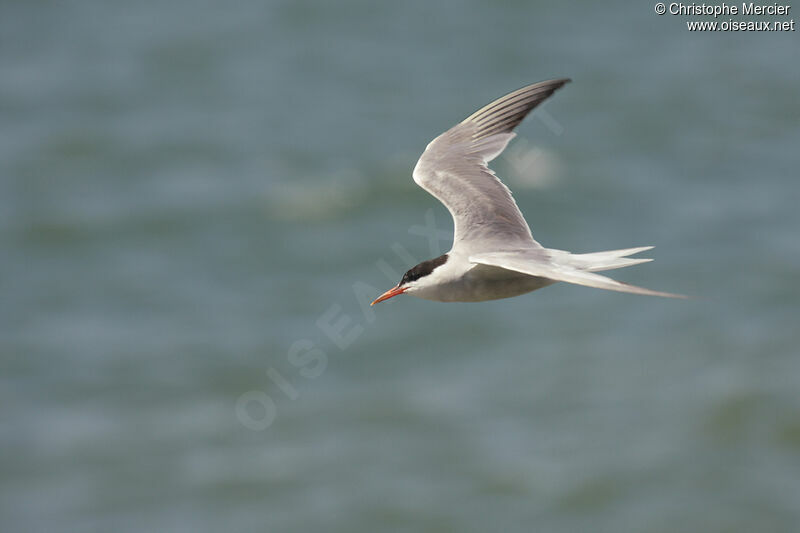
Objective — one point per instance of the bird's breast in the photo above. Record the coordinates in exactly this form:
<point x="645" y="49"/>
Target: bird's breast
<point x="481" y="283"/>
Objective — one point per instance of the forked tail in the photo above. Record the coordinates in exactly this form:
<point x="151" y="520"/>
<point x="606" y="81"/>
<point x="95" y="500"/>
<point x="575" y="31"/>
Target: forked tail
<point x="572" y="268"/>
<point x="598" y="261"/>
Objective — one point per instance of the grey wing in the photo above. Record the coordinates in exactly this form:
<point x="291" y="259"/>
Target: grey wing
<point x="454" y="169"/>
<point x="531" y="263"/>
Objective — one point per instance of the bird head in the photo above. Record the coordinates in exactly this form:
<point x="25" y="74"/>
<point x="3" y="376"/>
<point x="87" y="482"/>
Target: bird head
<point x="415" y="279"/>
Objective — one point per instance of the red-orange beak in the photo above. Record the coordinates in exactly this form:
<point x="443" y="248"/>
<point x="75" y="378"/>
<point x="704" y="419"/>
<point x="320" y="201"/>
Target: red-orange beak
<point x="394" y="291"/>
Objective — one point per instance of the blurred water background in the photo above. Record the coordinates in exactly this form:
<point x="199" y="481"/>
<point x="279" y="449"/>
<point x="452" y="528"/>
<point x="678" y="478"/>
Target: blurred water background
<point x="194" y="194"/>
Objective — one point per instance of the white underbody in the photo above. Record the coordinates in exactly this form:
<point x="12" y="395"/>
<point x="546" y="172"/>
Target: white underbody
<point x="479" y="283"/>
<point x="477" y="277"/>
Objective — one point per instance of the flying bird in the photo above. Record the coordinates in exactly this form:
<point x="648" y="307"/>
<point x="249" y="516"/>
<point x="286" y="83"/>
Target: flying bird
<point x="494" y="254"/>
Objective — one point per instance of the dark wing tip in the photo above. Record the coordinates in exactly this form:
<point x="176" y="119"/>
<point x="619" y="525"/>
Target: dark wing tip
<point x="505" y="113"/>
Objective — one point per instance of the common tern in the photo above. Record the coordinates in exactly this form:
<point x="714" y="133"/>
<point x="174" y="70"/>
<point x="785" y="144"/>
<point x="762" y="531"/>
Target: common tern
<point x="494" y="254"/>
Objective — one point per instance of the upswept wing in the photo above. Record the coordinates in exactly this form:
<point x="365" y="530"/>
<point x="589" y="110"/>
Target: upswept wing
<point x="454" y="170"/>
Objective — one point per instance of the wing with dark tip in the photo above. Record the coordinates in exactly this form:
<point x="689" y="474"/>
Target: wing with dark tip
<point x="454" y="169"/>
